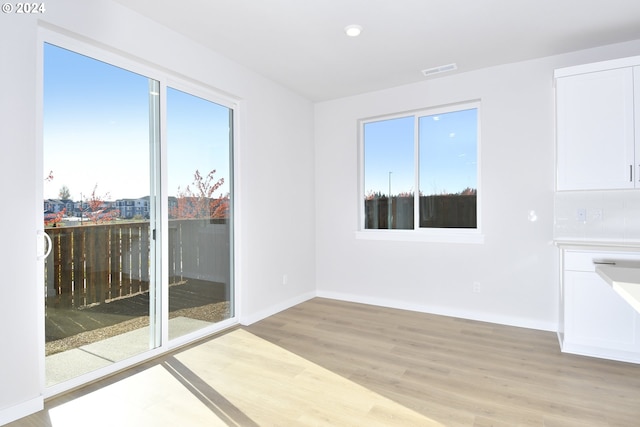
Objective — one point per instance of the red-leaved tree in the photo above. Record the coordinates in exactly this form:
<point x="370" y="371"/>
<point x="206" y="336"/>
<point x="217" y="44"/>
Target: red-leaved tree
<point x="201" y="203"/>
<point x="52" y="220"/>
<point x="99" y="209"/>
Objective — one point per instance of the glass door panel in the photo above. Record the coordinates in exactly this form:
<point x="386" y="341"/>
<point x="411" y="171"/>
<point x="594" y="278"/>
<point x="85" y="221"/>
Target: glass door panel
<point x="98" y="209"/>
<point x="199" y="140"/>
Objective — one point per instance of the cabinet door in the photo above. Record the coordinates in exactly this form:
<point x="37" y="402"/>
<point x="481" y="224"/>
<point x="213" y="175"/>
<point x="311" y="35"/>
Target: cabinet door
<point x="595" y="131"/>
<point x="597" y="320"/>
<point x="636" y="97"/>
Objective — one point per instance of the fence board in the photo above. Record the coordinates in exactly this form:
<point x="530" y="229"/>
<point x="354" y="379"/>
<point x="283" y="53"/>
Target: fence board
<point x="65" y="285"/>
<point x="101" y="263"/>
<point x="57" y="269"/>
<point x="125" y="243"/>
<point x="115" y="257"/>
<point x="79" y="282"/>
<point x="90" y="254"/>
<point x="135" y="260"/>
<point x="144" y="257"/>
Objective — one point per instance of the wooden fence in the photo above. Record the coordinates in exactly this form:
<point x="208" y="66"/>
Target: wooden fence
<point x="439" y="211"/>
<point x="93" y="264"/>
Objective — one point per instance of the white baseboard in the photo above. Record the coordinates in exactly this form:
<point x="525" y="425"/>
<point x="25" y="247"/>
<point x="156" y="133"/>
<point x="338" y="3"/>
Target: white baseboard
<point x="270" y="311"/>
<point x="602" y="353"/>
<point x="15" y="412"/>
<point x="442" y="311"/>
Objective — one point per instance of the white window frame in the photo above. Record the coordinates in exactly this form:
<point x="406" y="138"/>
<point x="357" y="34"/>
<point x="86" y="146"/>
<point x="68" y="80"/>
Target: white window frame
<point x="421" y="234"/>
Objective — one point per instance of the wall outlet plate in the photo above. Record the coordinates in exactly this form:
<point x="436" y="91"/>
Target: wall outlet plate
<point x="596" y="214"/>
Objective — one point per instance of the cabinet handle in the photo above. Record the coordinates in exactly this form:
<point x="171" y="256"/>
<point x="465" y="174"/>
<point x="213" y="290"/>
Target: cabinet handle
<point x="604" y="262"/>
<point x="630" y="173"/>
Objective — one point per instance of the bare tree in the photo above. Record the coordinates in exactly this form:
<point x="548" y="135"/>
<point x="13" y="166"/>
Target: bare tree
<point x="64" y="193"/>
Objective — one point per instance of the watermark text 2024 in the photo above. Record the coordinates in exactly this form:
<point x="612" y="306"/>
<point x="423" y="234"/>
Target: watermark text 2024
<point x="23" y="8"/>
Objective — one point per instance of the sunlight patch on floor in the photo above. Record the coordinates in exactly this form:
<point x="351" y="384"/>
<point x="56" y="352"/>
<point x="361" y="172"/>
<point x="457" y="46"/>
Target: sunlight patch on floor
<point x="149" y="398"/>
<point x="235" y="379"/>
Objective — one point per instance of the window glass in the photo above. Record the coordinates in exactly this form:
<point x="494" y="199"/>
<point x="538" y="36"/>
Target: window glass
<point x="434" y="151"/>
<point x="199" y="199"/>
<point x="99" y="283"/>
<point x="448" y="169"/>
<point x="388" y="173"/>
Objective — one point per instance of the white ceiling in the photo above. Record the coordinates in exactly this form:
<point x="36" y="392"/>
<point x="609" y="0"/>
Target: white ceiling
<point x="301" y="43"/>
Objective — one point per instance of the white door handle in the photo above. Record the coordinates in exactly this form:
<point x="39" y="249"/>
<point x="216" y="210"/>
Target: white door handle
<point x="49" y="244"/>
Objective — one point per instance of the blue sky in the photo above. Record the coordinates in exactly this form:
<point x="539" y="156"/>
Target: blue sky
<point x="96" y="130"/>
<point x="448" y="154"/>
<point x="389" y="148"/>
<point x="198" y="139"/>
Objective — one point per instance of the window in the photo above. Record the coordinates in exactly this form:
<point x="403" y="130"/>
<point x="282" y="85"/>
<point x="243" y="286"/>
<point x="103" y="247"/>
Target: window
<point x="434" y="151"/>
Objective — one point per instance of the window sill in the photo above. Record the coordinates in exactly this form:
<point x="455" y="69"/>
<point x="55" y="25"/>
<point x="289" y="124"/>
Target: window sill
<point x="435" y="236"/>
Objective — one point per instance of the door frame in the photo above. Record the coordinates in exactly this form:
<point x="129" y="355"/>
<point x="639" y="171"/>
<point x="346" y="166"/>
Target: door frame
<point x="98" y="51"/>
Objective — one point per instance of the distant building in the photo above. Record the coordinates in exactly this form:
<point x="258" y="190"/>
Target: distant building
<point x="130" y="208"/>
<point x="127" y="208"/>
<point x="54" y="206"/>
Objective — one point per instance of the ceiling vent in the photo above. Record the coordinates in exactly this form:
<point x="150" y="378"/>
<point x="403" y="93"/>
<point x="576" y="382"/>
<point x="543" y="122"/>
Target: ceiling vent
<point x="440" y="69"/>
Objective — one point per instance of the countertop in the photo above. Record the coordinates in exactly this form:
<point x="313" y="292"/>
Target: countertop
<point x="584" y="243"/>
<point x="624" y="278"/>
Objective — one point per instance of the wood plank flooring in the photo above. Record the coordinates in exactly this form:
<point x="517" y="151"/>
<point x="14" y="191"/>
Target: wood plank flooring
<point x="332" y="363"/>
<point x="459" y="372"/>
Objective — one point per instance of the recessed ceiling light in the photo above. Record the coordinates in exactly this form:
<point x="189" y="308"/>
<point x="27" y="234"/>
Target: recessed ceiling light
<point x="440" y="69"/>
<point x="353" y="30"/>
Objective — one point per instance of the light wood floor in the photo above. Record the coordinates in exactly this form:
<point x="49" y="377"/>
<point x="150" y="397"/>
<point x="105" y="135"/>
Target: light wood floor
<point x="331" y="363"/>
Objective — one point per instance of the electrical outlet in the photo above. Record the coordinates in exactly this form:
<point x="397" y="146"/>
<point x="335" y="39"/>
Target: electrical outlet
<point x="285" y="279"/>
<point x="581" y="215"/>
<point x="476" y="287"/>
<point x="596" y="214"/>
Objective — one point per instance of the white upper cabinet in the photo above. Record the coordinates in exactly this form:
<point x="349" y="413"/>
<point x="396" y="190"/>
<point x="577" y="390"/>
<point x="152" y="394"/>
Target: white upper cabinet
<point x="597" y="131"/>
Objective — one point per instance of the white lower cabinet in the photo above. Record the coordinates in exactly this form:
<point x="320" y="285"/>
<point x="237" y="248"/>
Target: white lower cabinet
<point x="596" y="321"/>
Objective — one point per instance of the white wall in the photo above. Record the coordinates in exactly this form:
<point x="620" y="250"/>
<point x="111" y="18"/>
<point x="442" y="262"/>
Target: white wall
<point x="20" y="354"/>
<point x="516" y="266"/>
<point x="275" y="176"/>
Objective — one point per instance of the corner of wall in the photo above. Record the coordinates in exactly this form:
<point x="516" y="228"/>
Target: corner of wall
<point x="248" y="319"/>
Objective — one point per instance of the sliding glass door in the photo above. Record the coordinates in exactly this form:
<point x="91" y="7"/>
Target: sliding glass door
<point x="98" y="197"/>
<point x="115" y="185"/>
<point x="199" y="140"/>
